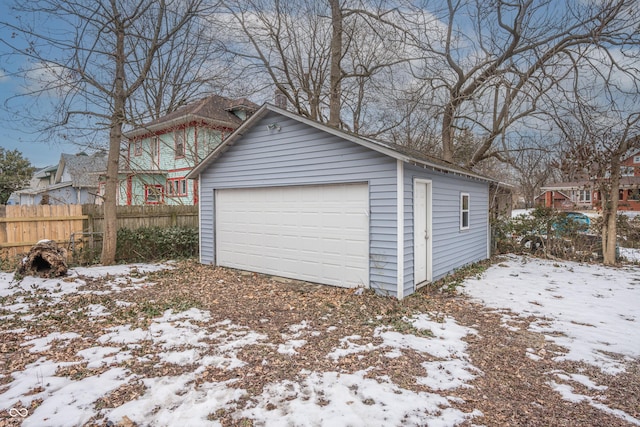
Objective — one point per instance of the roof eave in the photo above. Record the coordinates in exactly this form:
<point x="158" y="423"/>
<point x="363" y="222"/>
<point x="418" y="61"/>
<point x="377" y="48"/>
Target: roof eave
<point x="144" y="130"/>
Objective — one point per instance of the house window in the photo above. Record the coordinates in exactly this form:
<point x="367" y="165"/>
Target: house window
<point x="634" y="194"/>
<point x="137" y="147"/>
<point x="153" y="194"/>
<point x="636" y="159"/>
<point x="155" y="152"/>
<point x="584" y="196"/>
<point x="179" y="141"/>
<point x="464" y="211"/>
<point x="626" y="170"/>
<point x="177" y="187"/>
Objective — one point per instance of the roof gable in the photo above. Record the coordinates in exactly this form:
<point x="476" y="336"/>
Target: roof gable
<point x="79" y="168"/>
<point x="395" y="151"/>
<point x="215" y="110"/>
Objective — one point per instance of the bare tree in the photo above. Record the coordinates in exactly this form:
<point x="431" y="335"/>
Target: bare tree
<point x="533" y="163"/>
<point x="609" y="136"/>
<point x="96" y="54"/>
<point x="187" y="66"/>
<point x="492" y="65"/>
<point x="321" y="55"/>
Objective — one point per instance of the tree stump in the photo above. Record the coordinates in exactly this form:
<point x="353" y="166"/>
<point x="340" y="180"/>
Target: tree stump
<point x="45" y="259"/>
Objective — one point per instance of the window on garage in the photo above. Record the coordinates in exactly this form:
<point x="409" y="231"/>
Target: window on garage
<point x="464" y="211"/>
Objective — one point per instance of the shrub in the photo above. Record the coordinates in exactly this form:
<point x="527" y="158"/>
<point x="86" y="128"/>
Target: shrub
<point x="627" y="229"/>
<point x="155" y="243"/>
<point x="548" y="232"/>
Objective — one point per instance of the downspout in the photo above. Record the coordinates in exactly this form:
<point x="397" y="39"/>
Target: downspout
<point x="400" y="228"/>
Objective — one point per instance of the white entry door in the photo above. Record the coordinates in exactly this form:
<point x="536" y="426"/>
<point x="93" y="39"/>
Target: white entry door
<point x="317" y="233"/>
<point x="422" y="232"/>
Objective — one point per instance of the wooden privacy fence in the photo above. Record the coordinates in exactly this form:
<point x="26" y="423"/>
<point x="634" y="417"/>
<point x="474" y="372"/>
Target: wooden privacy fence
<point x="21" y="227"/>
<point x="70" y="225"/>
<point x="134" y="217"/>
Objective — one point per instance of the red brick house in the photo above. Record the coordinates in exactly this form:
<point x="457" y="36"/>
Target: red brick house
<point x="583" y="195"/>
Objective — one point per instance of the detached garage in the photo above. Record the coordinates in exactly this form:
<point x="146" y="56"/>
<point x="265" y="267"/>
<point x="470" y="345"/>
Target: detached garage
<point x="288" y="196"/>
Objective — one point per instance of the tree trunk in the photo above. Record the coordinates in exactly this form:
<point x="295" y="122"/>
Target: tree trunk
<point x="447" y="133"/>
<point x="110" y="232"/>
<point x="609" y="216"/>
<point x="336" y="57"/>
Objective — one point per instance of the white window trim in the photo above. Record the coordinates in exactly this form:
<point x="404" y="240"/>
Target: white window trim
<point x="462" y="211"/>
<point x="180" y="139"/>
<point x="158" y="191"/>
<point x="627" y="170"/>
<point x="584" y="196"/>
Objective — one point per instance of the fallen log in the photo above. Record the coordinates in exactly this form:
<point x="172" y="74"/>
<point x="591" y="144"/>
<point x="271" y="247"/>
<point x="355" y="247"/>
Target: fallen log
<point x="45" y="259"/>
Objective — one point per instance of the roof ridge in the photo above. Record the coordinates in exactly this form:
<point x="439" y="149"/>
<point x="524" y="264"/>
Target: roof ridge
<point x="203" y="102"/>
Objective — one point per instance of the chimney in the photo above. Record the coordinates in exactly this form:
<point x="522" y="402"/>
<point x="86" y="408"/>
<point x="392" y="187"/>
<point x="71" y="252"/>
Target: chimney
<point x="280" y="99"/>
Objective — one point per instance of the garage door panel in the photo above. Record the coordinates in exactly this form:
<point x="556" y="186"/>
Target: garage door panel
<point x="314" y="233"/>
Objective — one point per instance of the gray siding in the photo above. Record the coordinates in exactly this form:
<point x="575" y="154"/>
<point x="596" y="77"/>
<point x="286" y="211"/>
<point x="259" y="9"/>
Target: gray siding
<point x="452" y="248"/>
<point x="299" y="154"/>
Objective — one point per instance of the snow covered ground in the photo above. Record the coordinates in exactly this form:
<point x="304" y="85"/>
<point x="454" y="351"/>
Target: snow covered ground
<point x="591" y="311"/>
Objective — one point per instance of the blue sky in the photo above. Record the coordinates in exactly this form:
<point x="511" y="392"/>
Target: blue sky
<point x="14" y="132"/>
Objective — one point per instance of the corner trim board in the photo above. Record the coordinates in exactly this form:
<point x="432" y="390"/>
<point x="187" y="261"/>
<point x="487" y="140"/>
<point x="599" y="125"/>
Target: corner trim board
<point x="400" y="228"/>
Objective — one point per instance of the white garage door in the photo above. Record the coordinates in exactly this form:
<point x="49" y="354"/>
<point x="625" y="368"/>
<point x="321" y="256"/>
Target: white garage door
<point x="315" y="233"/>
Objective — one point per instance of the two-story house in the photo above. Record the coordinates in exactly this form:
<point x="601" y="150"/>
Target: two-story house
<point x="159" y="154"/>
<point x="71" y="181"/>
<point x="584" y="194"/>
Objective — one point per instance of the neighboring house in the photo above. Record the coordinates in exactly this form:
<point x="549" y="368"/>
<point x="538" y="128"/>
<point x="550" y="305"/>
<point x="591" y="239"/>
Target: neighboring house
<point x="71" y="181"/>
<point x="289" y="196"/>
<point x="584" y="195"/>
<point x="631" y="165"/>
<point x="161" y="153"/>
<point x="14" y="199"/>
<point x="44" y="177"/>
<point x="567" y="195"/>
<point x="41" y="179"/>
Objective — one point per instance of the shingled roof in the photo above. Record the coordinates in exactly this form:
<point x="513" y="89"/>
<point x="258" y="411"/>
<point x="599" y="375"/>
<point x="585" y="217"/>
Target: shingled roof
<point x="215" y="110"/>
<point x="79" y="168"/>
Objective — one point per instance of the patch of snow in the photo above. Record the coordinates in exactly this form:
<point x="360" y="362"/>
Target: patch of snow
<point x="44" y="343"/>
<point x="73" y="403"/>
<point x="569" y="395"/>
<point x="97" y="357"/>
<point x="118" y="270"/>
<point x="289" y="347"/>
<point x="177" y="401"/>
<point x="591" y="310"/>
<point x="124" y="335"/>
<point x="447" y="374"/>
<point x="347" y="347"/>
<point x="184" y="357"/>
<point x="97" y="310"/>
<point x="36" y="381"/>
<point x="332" y="398"/>
<point x="580" y="379"/>
<point x="631" y="255"/>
